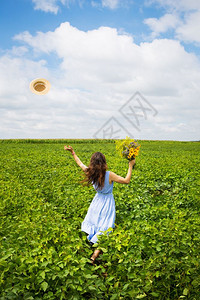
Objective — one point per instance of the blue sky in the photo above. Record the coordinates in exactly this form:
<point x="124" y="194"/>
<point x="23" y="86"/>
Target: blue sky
<point x="22" y="16"/>
<point x="97" y="55"/>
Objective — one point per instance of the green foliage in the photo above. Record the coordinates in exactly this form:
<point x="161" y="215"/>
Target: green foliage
<point x="153" y="252"/>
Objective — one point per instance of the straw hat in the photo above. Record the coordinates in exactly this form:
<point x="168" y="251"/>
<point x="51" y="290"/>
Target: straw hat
<point x="40" y="86"/>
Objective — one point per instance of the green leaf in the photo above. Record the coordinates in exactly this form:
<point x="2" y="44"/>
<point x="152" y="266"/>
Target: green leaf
<point x="114" y="296"/>
<point x="92" y="288"/>
<point x="125" y="286"/>
<point x="44" y="285"/>
<point x="157" y="273"/>
<point x="104" y="250"/>
<point x="140" y="296"/>
<point x="185" y="292"/>
<point x="111" y="278"/>
<point x="42" y="274"/>
<point x="158" y="248"/>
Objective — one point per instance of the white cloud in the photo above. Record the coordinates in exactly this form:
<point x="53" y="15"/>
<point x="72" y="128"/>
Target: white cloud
<point x="18" y="51"/>
<point x="182" y="16"/>
<point x="112" y="4"/>
<point x="178" y="5"/>
<point x="51" y="6"/>
<point x="92" y="55"/>
<point x="189" y="31"/>
<point x="163" y="24"/>
<point x="99" y="71"/>
<point x="15" y="73"/>
<point x="46" y="5"/>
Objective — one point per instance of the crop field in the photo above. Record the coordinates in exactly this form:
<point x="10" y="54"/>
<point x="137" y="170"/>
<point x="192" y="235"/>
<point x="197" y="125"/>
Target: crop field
<point x="153" y="252"/>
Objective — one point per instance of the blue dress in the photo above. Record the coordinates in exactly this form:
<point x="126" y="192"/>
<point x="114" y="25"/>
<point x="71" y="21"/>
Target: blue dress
<point x="101" y="212"/>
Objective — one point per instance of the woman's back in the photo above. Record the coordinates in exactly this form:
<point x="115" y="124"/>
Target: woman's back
<point x="107" y="188"/>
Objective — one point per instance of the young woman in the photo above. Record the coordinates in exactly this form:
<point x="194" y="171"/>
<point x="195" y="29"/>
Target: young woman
<point x="101" y="212"/>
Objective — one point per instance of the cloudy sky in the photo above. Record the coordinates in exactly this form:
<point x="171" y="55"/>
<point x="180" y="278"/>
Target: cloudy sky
<point x="116" y="68"/>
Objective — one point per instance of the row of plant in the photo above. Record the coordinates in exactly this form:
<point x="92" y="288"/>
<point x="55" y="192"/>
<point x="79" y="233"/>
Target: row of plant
<point x="56" y="141"/>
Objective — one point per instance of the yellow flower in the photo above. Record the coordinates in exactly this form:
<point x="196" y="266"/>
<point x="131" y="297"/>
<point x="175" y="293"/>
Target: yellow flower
<point x="130" y="154"/>
<point x="127" y="144"/>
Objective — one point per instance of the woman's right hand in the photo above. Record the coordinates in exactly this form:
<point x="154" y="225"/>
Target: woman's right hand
<point x="69" y="148"/>
<point x="132" y="163"/>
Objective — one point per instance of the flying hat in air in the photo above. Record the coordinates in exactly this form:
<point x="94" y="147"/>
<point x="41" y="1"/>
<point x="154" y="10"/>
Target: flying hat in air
<point x="40" y="86"/>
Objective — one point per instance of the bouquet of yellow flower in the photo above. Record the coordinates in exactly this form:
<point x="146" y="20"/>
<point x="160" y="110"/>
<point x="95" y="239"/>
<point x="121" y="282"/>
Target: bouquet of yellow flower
<point x="128" y="148"/>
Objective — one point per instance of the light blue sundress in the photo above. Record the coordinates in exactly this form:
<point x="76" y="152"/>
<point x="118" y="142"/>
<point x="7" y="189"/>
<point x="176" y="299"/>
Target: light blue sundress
<point x="101" y="212"/>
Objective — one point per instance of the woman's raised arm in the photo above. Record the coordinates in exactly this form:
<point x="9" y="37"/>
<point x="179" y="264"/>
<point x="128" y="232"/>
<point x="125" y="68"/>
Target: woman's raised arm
<point x="119" y="179"/>
<point x="77" y="160"/>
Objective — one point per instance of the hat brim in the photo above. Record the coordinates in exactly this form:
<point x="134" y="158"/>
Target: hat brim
<point x="40" y="86"/>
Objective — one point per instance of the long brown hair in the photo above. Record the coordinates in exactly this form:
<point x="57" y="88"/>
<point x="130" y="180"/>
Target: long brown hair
<point x="95" y="173"/>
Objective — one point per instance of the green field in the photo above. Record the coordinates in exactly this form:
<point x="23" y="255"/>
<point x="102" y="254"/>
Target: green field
<point x="153" y="252"/>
